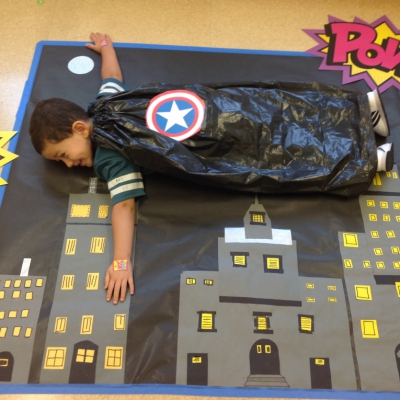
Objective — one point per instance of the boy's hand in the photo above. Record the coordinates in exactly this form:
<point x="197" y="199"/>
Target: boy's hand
<point x="99" y="41"/>
<point x="117" y="281"/>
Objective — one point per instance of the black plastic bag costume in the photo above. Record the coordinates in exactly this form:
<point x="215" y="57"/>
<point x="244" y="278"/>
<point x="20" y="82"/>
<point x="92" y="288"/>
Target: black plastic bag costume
<point x="271" y="137"/>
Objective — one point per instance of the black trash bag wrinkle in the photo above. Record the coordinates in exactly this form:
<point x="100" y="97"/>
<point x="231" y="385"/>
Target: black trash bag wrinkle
<point x="270" y="137"/>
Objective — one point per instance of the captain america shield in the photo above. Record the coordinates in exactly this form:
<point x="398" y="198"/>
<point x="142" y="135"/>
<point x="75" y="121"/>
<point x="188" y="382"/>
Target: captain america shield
<point x="177" y="114"/>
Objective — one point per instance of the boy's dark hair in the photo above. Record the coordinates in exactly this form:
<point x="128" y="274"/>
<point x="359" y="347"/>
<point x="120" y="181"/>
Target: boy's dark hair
<point x="52" y="121"/>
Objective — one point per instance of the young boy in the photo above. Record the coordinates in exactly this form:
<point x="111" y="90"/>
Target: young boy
<point x="62" y="131"/>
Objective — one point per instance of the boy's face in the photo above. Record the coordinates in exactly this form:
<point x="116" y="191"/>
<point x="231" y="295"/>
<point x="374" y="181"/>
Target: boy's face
<point x="75" y="151"/>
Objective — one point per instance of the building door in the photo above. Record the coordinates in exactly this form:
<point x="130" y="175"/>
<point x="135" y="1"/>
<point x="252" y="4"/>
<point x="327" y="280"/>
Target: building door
<point x="197" y="369"/>
<point x="320" y="373"/>
<point x="83" y="365"/>
<point x="6" y="366"/>
<point x="264" y="358"/>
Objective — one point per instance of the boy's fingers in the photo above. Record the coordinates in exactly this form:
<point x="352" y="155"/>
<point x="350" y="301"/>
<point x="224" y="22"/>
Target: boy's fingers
<point x="117" y="288"/>
<point x="110" y="290"/>
<point x="123" y="290"/>
<point x="131" y="285"/>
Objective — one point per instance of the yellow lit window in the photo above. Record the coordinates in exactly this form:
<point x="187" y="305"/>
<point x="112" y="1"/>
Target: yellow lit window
<point x="60" y="325"/>
<point x="39" y="282"/>
<point x="28" y="296"/>
<point x="3" y="332"/>
<point x="259" y="349"/>
<point x="7" y="283"/>
<point x="396" y="205"/>
<point x="386" y="218"/>
<point x="80" y="210"/>
<point x="310" y="300"/>
<point x="306" y="323"/>
<point x="375" y="234"/>
<point x="28" y="283"/>
<point x="207" y="321"/>
<point x="67" y="282"/>
<point x="92" y="281"/>
<point x="119" y="322"/>
<point x="87" y="324"/>
<point x="397" y="288"/>
<point x="28" y="332"/>
<point x="85" y="356"/>
<point x="384" y="204"/>
<point x="390" y="234"/>
<point x="2" y="294"/>
<point x="367" y="264"/>
<point x="319" y="361"/>
<point x="370" y="203"/>
<point x="395" y="250"/>
<point x="257" y="218"/>
<point x="208" y="282"/>
<point x="309" y="285"/>
<point x="397" y="218"/>
<point x="396" y="264"/>
<point x="332" y="299"/>
<point x="331" y="287"/>
<point x="103" y="211"/>
<point x="190" y="281"/>
<point x="380" y="265"/>
<point x="350" y="239"/>
<point x="394" y="175"/>
<point x="378" y="252"/>
<point x="239" y="259"/>
<point x="17" y="283"/>
<point x="16" y="331"/>
<point x="24" y="313"/>
<point x="262" y="323"/>
<point x="196" y="360"/>
<point x="114" y="357"/>
<point x="268" y="349"/>
<point x="55" y="358"/>
<point x="2" y="314"/>
<point x="373" y="217"/>
<point x="16" y="294"/>
<point x="369" y="329"/>
<point x="348" y="263"/>
<point x="70" y="247"/>
<point x="12" y="314"/>
<point x="98" y="245"/>
<point x="363" y="292"/>
<point x="272" y="263"/>
<point x="377" y="180"/>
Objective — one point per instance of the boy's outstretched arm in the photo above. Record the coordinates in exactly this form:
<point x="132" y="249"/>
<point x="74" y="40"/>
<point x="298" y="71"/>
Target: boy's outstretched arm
<point x="119" y="274"/>
<point x="102" y="44"/>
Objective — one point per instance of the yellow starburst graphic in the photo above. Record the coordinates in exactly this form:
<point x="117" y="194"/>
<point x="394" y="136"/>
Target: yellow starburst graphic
<point x="5" y="155"/>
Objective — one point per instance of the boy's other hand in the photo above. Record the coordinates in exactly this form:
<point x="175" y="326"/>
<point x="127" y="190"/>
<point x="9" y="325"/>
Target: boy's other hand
<point x="99" y="41"/>
<point x="116" y="283"/>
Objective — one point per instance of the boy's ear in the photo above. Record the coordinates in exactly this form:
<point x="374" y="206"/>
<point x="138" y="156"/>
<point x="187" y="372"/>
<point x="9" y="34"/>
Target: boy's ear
<point x="80" y="128"/>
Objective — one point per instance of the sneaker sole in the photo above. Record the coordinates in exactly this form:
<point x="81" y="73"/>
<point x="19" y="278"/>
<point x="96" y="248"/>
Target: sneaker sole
<point x="382" y="113"/>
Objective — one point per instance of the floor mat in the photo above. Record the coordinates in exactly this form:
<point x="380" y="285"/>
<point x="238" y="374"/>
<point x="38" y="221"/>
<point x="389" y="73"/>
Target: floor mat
<point x="309" y="303"/>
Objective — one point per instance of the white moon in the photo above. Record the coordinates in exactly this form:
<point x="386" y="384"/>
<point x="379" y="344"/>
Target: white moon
<point x="81" y="65"/>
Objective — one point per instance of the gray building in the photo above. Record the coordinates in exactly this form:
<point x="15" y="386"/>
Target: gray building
<point x="256" y="322"/>
<point x="86" y="336"/>
<point x="21" y="298"/>
<point x="371" y="264"/>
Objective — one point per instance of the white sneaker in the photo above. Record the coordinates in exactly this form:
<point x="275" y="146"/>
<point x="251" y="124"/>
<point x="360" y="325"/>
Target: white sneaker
<point x="378" y="115"/>
<point x="385" y="154"/>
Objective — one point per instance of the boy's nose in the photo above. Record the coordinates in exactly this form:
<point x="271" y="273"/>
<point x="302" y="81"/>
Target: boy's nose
<point x="69" y="163"/>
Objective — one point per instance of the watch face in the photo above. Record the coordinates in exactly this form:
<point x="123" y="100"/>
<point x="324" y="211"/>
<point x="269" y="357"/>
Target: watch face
<point x="178" y="114"/>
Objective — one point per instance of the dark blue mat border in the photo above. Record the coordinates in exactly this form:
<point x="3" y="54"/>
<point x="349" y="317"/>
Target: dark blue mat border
<point x="35" y="63"/>
<point x="208" y="391"/>
<point x="158" y="388"/>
